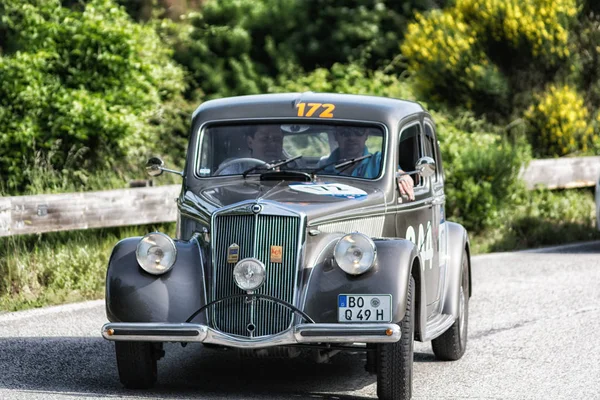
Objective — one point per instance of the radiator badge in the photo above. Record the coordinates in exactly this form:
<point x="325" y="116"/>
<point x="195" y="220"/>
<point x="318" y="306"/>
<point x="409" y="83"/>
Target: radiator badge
<point x="233" y="253"/>
<point x="276" y="254"/>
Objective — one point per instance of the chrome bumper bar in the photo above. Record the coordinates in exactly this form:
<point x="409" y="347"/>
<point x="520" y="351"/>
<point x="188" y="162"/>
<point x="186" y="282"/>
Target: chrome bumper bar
<point x="302" y="333"/>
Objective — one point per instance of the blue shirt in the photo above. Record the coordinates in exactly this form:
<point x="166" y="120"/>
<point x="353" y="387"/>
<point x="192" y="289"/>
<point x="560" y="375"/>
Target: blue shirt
<point x="367" y="168"/>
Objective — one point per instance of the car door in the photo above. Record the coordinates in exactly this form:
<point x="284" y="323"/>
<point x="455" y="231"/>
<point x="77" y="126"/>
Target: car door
<point x="414" y="219"/>
<point x="438" y="200"/>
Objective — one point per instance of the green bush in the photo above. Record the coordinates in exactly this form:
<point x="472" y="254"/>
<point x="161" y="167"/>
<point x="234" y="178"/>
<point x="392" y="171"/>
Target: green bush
<point x="535" y="29"/>
<point x="542" y="218"/>
<point x="558" y="122"/>
<point x="89" y="79"/>
<point x="59" y="267"/>
<point x="449" y="65"/>
<point x="243" y="46"/>
<point x="348" y="78"/>
<point x="482" y="171"/>
<point x="487" y="55"/>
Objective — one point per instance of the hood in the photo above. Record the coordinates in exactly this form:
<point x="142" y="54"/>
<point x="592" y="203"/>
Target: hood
<point x="325" y="198"/>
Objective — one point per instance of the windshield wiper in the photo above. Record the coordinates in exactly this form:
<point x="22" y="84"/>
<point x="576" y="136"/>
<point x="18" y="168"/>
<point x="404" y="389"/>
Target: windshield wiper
<point x="344" y="163"/>
<point x="269" y="166"/>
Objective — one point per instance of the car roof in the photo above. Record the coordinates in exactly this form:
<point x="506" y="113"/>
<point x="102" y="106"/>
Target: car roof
<point x="349" y="107"/>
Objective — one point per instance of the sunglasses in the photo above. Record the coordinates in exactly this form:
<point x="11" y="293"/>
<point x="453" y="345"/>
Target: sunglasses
<point x="356" y="133"/>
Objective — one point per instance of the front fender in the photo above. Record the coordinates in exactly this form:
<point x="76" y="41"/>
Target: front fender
<point x="390" y="275"/>
<point x="458" y="241"/>
<point x="133" y="295"/>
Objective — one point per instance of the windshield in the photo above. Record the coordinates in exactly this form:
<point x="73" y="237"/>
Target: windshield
<point x="321" y="148"/>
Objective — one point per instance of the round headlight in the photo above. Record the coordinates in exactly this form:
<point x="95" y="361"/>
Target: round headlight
<point x="355" y="253"/>
<point x="249" y="274"/>
<point x="156" y="253"/>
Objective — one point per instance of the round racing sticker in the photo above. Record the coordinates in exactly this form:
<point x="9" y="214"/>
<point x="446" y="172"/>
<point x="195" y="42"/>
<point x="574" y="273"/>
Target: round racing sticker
<point x="329" y="189"/>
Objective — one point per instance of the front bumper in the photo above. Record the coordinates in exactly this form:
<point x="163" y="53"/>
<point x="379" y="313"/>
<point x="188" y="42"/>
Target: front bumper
<point x="302" y="333"/>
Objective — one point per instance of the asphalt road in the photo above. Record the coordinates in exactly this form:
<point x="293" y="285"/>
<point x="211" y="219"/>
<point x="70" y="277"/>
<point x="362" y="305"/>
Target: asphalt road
<point x="533" y="334"/>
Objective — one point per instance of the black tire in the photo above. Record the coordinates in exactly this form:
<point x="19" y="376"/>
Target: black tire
<point x="395" y="360"/>
<point x="136" y="362"/>
<point x="451" y="345"/>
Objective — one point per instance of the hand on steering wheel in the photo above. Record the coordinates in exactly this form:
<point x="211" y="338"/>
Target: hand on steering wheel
<point x="245" y="160"/>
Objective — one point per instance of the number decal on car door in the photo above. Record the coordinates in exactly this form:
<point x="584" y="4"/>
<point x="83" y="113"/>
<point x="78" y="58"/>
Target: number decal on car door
<point x="424" y="242"/>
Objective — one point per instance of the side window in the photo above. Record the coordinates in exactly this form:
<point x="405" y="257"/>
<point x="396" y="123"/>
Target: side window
<point x="432" y="150"/>
<point x="410" y="150"/>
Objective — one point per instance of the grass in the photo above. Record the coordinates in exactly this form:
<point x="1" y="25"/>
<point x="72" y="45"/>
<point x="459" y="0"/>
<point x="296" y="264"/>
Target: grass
<point x="63" y="267"/>
<point x="59" y="267"/>
<point x="545" y="218"/>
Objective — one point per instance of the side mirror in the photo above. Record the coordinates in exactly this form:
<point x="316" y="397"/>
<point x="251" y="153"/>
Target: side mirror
<point x="155" y="166"/>
<point x="425" y="166"/>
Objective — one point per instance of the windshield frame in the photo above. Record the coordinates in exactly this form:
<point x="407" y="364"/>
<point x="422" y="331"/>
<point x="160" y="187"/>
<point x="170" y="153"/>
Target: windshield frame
<point x="199" y="137"/>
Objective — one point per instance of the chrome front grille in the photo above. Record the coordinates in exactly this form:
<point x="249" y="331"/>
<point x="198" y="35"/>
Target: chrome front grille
<point x="254" y="234"/>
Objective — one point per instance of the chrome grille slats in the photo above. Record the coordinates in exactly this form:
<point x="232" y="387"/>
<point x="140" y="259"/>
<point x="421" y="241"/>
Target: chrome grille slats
<point x="230" y="315"/>
<point x="233" y="316"/>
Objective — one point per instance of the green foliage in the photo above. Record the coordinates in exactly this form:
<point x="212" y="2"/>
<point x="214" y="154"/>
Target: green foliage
<point x="586" y="61"/>
<point x="535" y="29"/>
<point x="54" y="268"/>
<point x="78" y="79"/>
<point x="481" y="171"/>
<point x="348" y="78"/>
<point x="558" y="122"/>
<point x="488" y="55"/>
<point x="242" y="46"/>
<point x="542" y="218"/>
<point x="449" y="65"/>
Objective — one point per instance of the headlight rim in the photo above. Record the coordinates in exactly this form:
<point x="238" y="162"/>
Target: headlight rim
<point x="169" y="241"/>
<point x="372" y="246"/>
<point x="260" y="263"/>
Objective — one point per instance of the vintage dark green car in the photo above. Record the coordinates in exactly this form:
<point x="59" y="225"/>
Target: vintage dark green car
<point x="308" y="223"/>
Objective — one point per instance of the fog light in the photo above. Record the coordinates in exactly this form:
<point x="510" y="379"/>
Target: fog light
<point x="249" y="274"/>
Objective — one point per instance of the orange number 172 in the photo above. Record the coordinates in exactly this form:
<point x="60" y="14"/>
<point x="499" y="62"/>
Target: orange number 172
<point x="308" y="109"/>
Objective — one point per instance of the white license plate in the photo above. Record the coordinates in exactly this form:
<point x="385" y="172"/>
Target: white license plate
<point x="364" y="308"/>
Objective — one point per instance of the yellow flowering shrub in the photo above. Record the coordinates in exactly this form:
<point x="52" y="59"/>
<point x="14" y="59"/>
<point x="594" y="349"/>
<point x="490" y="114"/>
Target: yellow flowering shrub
<point x="540" y="25"/>
<point x="470" y="54"/>
<point x="558" y="122"/>
<point x="446" y="60"/>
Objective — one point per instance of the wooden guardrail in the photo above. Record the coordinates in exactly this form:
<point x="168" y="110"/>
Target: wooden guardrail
<point x="562" y="173"/>
<point x="70" y="211"/>
<point x="139" y="206"/>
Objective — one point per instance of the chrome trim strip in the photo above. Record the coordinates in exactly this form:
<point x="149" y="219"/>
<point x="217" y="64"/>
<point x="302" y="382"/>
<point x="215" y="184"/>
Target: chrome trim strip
<point x="372" y="227"/>
<point x="302" y="333"/>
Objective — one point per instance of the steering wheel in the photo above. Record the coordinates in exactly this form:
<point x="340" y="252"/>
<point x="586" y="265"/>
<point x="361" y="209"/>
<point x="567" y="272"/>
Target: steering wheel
<point x="246" y="160"/>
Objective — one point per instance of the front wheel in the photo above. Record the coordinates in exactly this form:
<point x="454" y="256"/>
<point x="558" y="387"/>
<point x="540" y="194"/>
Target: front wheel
<point x="451" y="345"/>
<point x="395" y="360"/>
<point x="136" y="362"/>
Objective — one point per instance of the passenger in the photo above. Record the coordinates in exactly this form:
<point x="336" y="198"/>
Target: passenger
<point x="352" y="144"/>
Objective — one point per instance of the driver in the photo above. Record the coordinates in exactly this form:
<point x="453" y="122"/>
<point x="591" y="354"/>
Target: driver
<point x="266" y="144"/>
